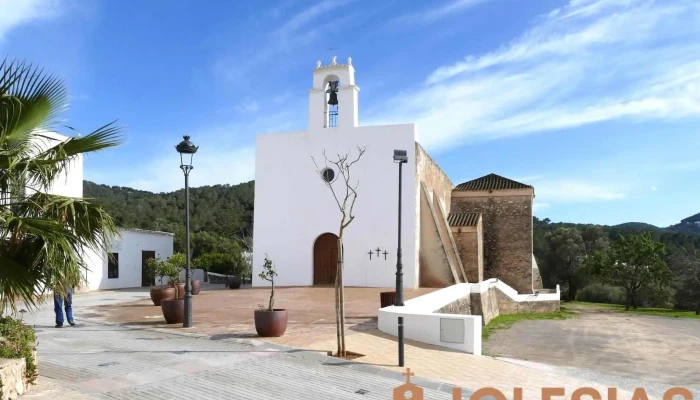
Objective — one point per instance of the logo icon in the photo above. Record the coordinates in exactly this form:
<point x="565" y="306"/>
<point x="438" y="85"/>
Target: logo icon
<point x="408" y="390"/>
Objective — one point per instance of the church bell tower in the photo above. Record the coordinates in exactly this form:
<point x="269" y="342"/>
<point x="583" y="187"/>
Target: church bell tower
<point x="333" y="98"/>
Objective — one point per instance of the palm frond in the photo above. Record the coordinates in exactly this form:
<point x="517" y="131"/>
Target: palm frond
<point x="43" y="238"/>
<point x="38" y="98"/>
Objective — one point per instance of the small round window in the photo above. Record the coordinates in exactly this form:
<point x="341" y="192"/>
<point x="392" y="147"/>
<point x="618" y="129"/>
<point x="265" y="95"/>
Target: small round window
<point x="328" y="175"/>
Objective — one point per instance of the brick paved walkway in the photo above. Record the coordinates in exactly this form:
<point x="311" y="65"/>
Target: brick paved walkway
<point x="100" y="361"/>
<point x="228" y="314"/>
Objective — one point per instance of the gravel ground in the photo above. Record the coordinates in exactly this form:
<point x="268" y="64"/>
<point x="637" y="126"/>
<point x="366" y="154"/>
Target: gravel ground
<point x="598" y="344"/>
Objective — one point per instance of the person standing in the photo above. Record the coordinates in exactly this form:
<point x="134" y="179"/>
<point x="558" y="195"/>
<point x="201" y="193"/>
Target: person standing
<point x="58" y="304"/>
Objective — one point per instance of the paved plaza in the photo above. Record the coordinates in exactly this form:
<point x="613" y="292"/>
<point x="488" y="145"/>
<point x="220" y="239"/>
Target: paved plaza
<point x="121" y="349"/>
<point x="94" y="360"/>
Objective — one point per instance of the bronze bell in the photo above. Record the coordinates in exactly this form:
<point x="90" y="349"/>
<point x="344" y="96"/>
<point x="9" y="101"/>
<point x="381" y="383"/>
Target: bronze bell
<point x="333" y="91"/>
<point x="333" y="99"/>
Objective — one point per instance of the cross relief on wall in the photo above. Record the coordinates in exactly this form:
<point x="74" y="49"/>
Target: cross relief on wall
<point x="378" y="251"/>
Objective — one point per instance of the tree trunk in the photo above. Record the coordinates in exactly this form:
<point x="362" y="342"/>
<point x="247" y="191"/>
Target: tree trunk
<point x="337" y="310"/>
<point x="573" y="289"/>
<point x="628" y="299"/>
<point x="634" y="303"/>
<point x="697" y="308"/>
<point x="341" y="265"/>
<point x="272" y="295"/>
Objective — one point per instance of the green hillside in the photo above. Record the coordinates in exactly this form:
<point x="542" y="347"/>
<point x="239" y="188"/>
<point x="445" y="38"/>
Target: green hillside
<point x="220" y="213"/>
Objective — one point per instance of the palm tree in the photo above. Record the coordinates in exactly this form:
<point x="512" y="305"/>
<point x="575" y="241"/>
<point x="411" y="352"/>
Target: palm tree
<point x="43" y="236"/>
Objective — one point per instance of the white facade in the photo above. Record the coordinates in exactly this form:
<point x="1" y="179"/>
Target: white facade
<point x="293" y="206"/>
<point x="70" y="182"/>
<point x="129" y="247"/>
<point x="130" y="243"/>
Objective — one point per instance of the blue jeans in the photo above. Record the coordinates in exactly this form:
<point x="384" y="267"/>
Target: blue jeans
<point x="58" y="307"/>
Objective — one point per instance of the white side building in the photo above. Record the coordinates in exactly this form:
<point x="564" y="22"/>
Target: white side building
<point x="131" y="248"/>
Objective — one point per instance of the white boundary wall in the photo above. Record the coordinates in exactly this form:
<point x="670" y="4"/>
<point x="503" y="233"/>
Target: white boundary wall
<point x="543" y="294"/>
<point x="422" y="324"/>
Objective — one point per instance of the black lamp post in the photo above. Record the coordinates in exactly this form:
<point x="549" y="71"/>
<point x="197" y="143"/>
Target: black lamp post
<point x="400" y="157"/>
<point x="187" y="150"/>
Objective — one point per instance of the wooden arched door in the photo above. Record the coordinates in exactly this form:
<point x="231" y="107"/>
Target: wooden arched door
<point x="325" y="259"/>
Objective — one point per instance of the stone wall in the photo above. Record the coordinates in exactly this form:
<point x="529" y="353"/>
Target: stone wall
<point x="435" y="270"/>
<point x="506" y="305"/>
<point x="485" y="304"/>
<point x="507" y="233"/>
<point x="493" y="302"/>
<point x="461" y="306"/>
<point x="13" y="382"/>
<point x="434" y="178"/>
<point x="470" y="248"/>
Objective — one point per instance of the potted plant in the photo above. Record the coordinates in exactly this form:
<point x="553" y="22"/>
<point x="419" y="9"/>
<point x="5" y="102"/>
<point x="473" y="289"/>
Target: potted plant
<point x="270" y="321"/>
<point x="176" y="264"/>
<point x="179" y="262"/>
<point x="156" y="268"/>
<point x="173" y="308"/>
<point x="239" y="268"/>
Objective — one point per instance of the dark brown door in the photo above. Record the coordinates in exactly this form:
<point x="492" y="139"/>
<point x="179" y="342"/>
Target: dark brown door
<point x="145" y="256"/>
<point x="325" y="259"/>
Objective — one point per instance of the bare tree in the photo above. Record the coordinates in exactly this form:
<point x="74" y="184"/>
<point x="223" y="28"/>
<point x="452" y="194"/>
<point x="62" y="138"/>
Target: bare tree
<point x="346" y="204"/>
<point x="246" y="242"/>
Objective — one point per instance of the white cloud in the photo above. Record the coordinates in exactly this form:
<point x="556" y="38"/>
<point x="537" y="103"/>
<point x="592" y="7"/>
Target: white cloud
<point x="529" y="178"/>
<point x="298" y="30"/>
<point x="15" y="13"/>
<point x="436" y="13"/>
<point x="301" y="19"/>
<point x="653" y="188"/>
<point x="248" y="106"/>
<point x="577" y="191"/>
<point x="539" y="206"/>
<point x="588" y="62"/>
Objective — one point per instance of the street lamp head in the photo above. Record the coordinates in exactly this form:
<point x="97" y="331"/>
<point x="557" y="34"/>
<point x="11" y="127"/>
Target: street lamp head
<point x="400" y="156"/>
<point x="186" y="148"/>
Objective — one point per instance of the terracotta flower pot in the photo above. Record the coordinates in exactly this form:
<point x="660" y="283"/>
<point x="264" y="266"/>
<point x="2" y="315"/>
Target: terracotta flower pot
<point x="160" y="294"/>
<point x="234" y="282"/>
<point x="180" y="290"/>
<point x="173" y="310"/>
<point x="196" y="287"/>
<point x="270" y="323"/>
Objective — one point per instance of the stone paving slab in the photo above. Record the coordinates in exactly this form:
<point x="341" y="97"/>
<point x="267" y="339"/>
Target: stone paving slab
<point x="103" y="361"/>
<point x="312" y="329"/>
<point x="187" y="364"/>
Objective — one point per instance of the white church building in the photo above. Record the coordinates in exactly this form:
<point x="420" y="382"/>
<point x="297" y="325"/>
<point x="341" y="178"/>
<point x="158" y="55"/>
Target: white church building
<point x="296" y="219"/>
<point x="473" y="241"/>
<point x="451" y="234"/>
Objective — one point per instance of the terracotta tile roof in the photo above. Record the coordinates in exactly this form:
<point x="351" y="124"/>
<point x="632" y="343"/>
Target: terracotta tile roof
<point x="490" y="182"/>
<point x="463" y="219"/>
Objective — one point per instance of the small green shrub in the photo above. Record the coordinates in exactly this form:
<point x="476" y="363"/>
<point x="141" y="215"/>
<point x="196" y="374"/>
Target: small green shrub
<point x="225" y="264"/>
<point x="601" y="293"/>
<point x="19" y="341"/>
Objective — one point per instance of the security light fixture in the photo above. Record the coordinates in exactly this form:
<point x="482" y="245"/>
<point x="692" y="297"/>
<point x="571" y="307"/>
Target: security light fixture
<point x="400" y="156"/>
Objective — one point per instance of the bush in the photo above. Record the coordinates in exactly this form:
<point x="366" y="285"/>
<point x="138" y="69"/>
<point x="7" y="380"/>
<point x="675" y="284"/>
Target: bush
<point x="656" y="297"/>
<point x="602" y="293"/>
<point x="19" y="341"/>
<point x="225" y="264"/>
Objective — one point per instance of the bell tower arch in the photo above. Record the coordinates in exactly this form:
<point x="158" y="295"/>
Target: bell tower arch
<point x="333" y="97"/>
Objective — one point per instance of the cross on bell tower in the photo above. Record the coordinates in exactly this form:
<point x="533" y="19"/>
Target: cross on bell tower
<point x="333" y="98"/>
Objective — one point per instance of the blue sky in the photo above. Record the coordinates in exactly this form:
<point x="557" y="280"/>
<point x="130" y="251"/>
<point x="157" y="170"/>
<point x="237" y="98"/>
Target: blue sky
<point x="594" y="102"/>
